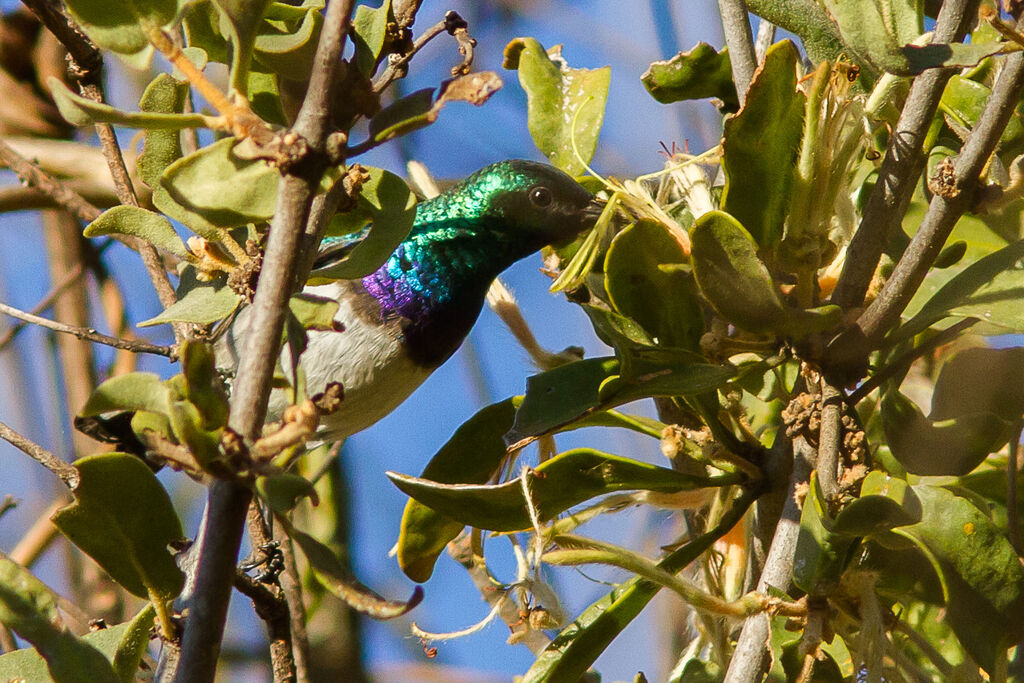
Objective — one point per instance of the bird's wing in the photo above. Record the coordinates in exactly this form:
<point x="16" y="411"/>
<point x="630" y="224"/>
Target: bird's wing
<point x="334" y="249"/>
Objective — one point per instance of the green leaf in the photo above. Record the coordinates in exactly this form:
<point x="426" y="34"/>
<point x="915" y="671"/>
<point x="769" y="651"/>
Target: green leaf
<point x="123" y="518"/>
<point x="947" y="55"/>
<point x="28" y="608"/>
<point x="885" y="503"/>
<point x="203" y="304"/>
<point x="225" y="189"/>
<point x="876" y="34"/>
<point x="123" y="27"/>
<point x="976" y="288"/>
<point x="647" y="281"/>
<point x="161" y="148"/>
<point x="79" y="111"/>
<point x="563" y="104"/>
<point x="288" y="37"/>
<point x="471" y="456"/>
<point x="980" y="379"/>
<point x="137" y="222"/>
<point x="950" y="446"/>
<point x="982" y="579"/>
<point x="134" y="391"/>
<point x="420" y="109"/>
<point x="731" y="276"/>
<point x="559" y="397"/>
<point x="370" y="28"/>
<point x="130" y="646"/>
<point x="284" y="491"/>
<point x="821" y="554"/>
<point x="314" y="312"/>
<point x="566" y="480"/>
<point x="694" y="75"/>
<point x="760" y="146"/>
<point x="336" y="578"/>
<point x="203" y="387"/>
<point x="386" y="202"/>
<point x="239" y="20"/>
<point x="963" y="100"/>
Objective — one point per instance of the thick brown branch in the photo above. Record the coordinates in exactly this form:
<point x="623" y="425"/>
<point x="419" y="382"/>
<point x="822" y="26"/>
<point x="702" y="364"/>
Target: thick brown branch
<point x="228" y="501"/>
<point x="67" y="473"/>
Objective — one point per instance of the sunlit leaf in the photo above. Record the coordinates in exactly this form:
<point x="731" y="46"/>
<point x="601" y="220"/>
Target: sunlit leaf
<point x="693" y="75"/>
<point x="137" y="222"/>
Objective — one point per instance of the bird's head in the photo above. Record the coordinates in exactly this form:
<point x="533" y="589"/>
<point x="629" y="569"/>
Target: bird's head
<point x="529" y="201"/>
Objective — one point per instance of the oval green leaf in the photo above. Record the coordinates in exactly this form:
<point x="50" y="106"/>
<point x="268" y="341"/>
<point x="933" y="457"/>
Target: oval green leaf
<point x="137" y="222"/>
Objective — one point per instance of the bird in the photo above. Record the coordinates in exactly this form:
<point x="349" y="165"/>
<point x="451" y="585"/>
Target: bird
<point x="398" y="324"/>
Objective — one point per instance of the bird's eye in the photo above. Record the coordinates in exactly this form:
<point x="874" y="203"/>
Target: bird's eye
<point x="540" y="197"/>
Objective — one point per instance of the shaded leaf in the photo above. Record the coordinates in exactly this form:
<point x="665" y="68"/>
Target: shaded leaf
<point x="137" y="222"/>
<point x="203" y="387"/>
<point x="647" y="280"/>
<point x="694" y="75"/>
<point x="240" y="20"/>
<point x="123" y="518"/>
<point x="288" y="37"/>
<point x="566" y="480"/>
<point x="885" y="503"/>
<point x="284" y="491"/>
<point x="370" y="26"/>
<point x="123" y="27"/>
<point x="947" y="55"/>
<point x="982" y="579"/>
<point x="28" y="608"/>
<point x="942" y="447"/>
<point x="964" y="100"/>
<point x="877" y="34"/>
<point x="760" y="146"/>
<point x="161" y="148"/>
<point x="339" y="580"/>
<point x="314" y="312"/>
<point x="471" y="456"/>
<point x="821" y="554"/>
<point x="563" y="104"/>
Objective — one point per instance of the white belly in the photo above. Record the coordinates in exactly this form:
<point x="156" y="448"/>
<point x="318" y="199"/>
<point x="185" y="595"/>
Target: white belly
<point x="367" y="359"/>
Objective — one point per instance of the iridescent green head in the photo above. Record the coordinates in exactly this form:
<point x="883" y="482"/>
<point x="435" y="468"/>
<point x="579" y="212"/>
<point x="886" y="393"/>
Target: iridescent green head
<point x="526" y="202"/>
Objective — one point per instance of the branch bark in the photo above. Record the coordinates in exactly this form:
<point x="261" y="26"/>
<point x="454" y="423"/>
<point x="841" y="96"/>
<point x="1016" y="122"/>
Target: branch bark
<point x="851" y="347"/>
<point x="904" y="161"/>
<point x="740" y="40"/>
<point x="67" y="473"/>
<point x="228" y="501"/>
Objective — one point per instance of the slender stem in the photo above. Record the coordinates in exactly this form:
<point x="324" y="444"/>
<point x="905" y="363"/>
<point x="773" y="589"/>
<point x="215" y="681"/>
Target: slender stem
<point x="67" y="473"/>
<point x="748" y="659"/>
<point x="765" y="38"/>
<point x="396" y="66"/>
<point x="228" y="501"/>
<point x="269" y="606"/>
<point x="736" y="25"/>
<point x="47" y="184"/>
<point x="291" y="587"/>
<point x="903" y="363"/>
<point x="904" y="161"/>
<point x="944" y="211"/>
<point x="90" y="334"/>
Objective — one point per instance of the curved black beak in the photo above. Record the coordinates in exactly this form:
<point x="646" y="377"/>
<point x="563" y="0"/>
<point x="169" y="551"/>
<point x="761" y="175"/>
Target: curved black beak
<point x="592" y="211"/>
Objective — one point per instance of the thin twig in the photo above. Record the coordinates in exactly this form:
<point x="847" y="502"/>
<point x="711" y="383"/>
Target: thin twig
<point x="749" y="657"/>
<point x="765" y="38"/>
<point x="269" y="606"/>
<point x="291" y="587"/>
<point x="904" y="161"/>
<point x="903" y="363"/>
<point x="47" y="184"/>
<point x="739" y="39"/>
<point x="67" y="473"/>
<point x="220" y="537"/>
<point x="851" y="346"/>
<point x="90" y="334"/>
<point x="455" y="26"/>
<point x="830" y="436"/>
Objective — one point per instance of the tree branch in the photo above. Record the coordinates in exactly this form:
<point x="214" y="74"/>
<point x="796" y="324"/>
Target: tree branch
<point x="47" y="184"/>
<point x="90" y="334"/>
<point x="748" y="659"/>
<point x="228" y="501"/>
<point x="904" y="162"/>
<point x="830" y="436"/>
<point x="852" y="346"/>
<point x="739" y="39"/>
<point x="67" y="473"/>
